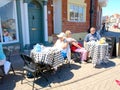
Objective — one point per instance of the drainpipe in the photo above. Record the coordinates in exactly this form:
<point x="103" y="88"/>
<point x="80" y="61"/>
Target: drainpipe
<point x="91" y="11"/>
<point x="45" y="21"/>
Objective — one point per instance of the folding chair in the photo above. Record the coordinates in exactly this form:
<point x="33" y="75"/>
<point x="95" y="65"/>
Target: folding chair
<point x="32" y="67"/>
<point x="2" y="69"/>
<point x="8" y="57"/>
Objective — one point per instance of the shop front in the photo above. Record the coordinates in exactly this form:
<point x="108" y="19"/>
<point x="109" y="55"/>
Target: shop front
<point x="23" y="22"/>
<point x="34" y="21"/>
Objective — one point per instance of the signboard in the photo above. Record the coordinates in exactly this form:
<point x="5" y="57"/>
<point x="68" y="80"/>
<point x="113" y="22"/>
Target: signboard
<point x="112" y="46"/>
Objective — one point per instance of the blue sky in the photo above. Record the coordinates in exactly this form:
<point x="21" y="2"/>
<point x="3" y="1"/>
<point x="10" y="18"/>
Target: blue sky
<point x="113" y="6"/>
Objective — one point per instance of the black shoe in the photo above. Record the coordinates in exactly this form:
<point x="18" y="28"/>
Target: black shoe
<point x="89" y="61"/>
<point x="98" y="66"/>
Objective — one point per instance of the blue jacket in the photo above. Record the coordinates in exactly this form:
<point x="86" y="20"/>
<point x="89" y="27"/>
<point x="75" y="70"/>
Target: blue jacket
<point x="2" y="55"/>
<point x="92" y="37"/>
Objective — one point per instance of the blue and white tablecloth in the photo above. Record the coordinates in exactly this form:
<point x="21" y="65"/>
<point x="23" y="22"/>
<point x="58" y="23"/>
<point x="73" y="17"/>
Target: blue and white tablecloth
<point x="48" y="55"/>
<point x="98" y="52"/>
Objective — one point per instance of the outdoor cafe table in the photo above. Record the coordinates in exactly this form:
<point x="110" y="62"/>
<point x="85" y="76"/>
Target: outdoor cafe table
<point x="98" y="52"/>
<point x="48" y="55"/>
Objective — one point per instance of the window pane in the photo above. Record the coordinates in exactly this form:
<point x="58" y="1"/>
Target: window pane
<point x="76" y="13"/>
<point x="76" y="16"/>
<point x="71" y="15"/>
<point x="8" y="23"/>
<point x="81" y="14"/>
<point x="76" y="9"/>
<point x="71" y="7"/>
<point x="71" y="12"/>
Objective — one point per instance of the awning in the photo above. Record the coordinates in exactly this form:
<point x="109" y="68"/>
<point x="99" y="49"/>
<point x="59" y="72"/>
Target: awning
<point x="4" y="2"/>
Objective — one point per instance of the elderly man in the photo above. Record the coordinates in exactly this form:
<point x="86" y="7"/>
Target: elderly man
<point x="92" y="36"/>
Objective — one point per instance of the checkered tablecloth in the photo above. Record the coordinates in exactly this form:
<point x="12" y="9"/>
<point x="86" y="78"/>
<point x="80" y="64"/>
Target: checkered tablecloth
<point x="49" y="55"/>
<point x="98" y="52"/>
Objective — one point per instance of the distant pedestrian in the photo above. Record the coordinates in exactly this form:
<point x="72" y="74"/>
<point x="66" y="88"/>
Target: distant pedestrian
<point x="103" y="29"/>
<point x="107" y="27"/>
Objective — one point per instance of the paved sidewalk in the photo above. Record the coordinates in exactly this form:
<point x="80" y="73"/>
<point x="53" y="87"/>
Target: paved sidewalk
<point x="100" y="80"/>
<point x="77" y="77"/>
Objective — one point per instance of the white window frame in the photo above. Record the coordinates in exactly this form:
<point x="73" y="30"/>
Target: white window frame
<point x="76" y="8"/>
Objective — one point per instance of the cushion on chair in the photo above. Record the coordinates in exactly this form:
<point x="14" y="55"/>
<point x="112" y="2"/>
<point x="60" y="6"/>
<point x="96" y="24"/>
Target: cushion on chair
<point x="73" y="48"/>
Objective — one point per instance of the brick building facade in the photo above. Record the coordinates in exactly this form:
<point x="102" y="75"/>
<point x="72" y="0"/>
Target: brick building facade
<point x="36" y="21"/>
<point x="77" y="27"/>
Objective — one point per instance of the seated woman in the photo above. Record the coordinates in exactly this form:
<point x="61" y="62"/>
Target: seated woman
<point x="78" y="46"/>
<point x="63" y="45"/>
<point x="3" y="60"/>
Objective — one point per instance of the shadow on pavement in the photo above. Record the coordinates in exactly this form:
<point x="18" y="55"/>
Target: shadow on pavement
<point x="108" y="64"/>
<point x="62" y="74"/>
<point x="9" y="81"/>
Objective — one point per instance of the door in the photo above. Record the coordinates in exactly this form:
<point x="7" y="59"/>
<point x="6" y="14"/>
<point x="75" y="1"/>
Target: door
<point x="35" y="22"/>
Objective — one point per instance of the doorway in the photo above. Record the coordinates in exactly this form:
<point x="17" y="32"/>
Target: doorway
<point x="35" y="22"/>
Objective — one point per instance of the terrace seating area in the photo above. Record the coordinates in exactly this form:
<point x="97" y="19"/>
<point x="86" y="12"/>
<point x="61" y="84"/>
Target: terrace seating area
<point x="49" y="79"/>
<point x="63" y="76"/>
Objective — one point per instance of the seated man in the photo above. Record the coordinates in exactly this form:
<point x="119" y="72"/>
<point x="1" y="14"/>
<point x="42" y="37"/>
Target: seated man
<point x="3" y="60"/>
<point x="76" y="47"/>
<point x="63" y="45"/>
<point x="92" y="36"/>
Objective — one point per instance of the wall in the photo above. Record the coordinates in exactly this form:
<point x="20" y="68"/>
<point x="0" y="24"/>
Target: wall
<point x="75" y="27"/>
<point x="77" y="36"/>
<point x="50" y="18"/>
<point x="95" y="6"/>
<point x="79" y="29"/>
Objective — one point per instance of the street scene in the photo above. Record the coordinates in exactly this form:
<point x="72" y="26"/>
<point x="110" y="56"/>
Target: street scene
<point x="59" y="45"/>
<point x="77" y="76"/>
